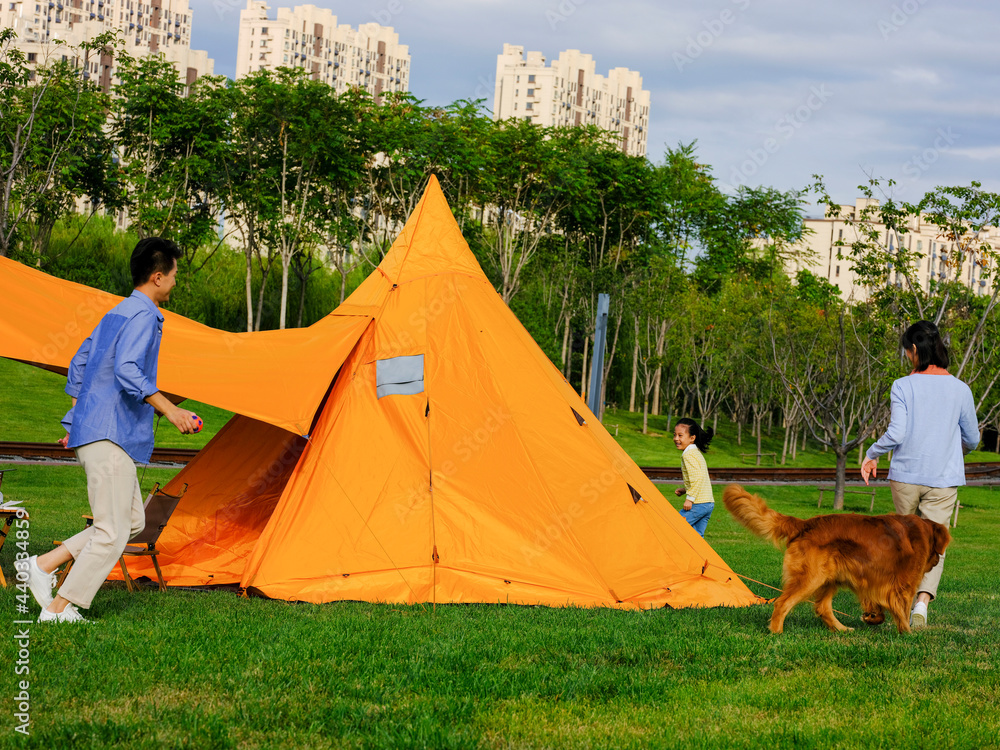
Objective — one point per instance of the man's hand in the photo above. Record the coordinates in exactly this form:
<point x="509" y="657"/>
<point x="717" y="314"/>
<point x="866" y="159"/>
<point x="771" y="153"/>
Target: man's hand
<point x="63" y="440"/>
<point x="688" y="505"/>
<point x="679" y="491"/>
<point x="179" y="418"/>
<point x="182" y="419"/>
<point x="869" y="467"/>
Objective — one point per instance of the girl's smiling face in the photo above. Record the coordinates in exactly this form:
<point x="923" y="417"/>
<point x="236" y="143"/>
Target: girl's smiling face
<point x="682" y="438"/>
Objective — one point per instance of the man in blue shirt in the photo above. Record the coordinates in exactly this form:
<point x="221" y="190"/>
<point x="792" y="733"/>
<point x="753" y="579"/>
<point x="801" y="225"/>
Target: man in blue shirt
<point x="112" y="383"/>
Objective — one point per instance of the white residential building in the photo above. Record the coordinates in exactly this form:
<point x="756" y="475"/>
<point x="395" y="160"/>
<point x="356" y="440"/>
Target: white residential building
<point x="570" y="92"/>
<point x="156" y="26"/>
<point x="939" y="263"/>
<point x="307" y="37"/>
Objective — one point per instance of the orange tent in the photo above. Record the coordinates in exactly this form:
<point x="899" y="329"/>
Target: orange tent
<point x="450" y="462"/>
<point x="278" y="377"/>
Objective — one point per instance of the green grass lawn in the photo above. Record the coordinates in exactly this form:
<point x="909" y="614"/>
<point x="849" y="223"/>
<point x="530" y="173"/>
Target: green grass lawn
<point x="208" y="669"/>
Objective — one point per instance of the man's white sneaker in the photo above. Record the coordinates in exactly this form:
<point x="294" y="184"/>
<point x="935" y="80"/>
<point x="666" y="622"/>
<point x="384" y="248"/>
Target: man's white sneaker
<point x="39" y="582"/>
<point x="918" y="616"/>
<point x="70" y="614"/>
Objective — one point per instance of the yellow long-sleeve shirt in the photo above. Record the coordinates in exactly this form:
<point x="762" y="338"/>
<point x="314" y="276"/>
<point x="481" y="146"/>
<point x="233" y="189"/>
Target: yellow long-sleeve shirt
<point x="694" y="469"/>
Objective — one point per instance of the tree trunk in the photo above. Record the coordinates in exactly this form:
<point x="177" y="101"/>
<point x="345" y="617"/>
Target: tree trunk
<point x="260" y="297"/>
<point x="302" y="300"/>
<point x="567" y="353"/>
<point x="795" y="443"/>
<point x="635" y="373"/>
<point x="657" y="377"/>
<point x="739" y="432"/>
<point x="249" y="257"/>
<point x="583" y="375"/>
<point x="645" y="415"/>
<point x="784" y="446"/>
<point x="759" y="420"/>
<point x="838" y="494"/>
<point x="283" y="314"/>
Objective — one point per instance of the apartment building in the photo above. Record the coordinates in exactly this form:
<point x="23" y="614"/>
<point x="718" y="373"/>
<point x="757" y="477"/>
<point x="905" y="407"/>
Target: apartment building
<point x="369" y="57"/>
<point x="569" y="91"/>
<point x="156" y="26"/>
<point x="939" y="263"/>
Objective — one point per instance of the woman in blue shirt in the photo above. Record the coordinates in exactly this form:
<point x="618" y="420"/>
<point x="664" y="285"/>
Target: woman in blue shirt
<point x="932" y="425"/>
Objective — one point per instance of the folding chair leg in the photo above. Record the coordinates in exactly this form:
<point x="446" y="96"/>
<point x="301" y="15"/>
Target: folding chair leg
<point x="159" y="574"/>
<point x="128" y="581"/>
<point x="64" y="573"/>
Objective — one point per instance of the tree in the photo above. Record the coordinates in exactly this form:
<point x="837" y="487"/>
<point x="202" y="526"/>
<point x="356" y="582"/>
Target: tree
<point x="689" y="202"/>
<point x="171" y="146"/>
<point x="756" y="235"/>
<point x="52" y="146"/>
<point x="964" y="217"/>
<point x="527" y="182"/>
<point x="836" y="367"/>
<point x="658" y="302"/>
<point x="252" y="139"/>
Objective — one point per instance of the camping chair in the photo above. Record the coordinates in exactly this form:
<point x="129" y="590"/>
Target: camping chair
<point x="159" y="507"/>
<point x="7" y="516"/>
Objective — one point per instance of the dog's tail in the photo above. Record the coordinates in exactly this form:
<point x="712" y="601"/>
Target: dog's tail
<point x="753" y="513"/>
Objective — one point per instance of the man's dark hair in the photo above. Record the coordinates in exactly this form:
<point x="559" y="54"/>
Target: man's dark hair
<point x="930" y="348"/>
<point x="151" y="255"/>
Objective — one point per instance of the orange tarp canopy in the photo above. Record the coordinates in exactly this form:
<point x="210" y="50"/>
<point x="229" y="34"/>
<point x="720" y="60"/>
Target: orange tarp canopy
<point x="278" y="377"/>
<point x="451" y="463"/>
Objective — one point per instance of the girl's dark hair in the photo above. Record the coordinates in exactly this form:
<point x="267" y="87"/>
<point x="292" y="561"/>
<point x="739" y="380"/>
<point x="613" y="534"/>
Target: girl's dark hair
<point x="702" y="436"/>
<point x="930" y="348"/>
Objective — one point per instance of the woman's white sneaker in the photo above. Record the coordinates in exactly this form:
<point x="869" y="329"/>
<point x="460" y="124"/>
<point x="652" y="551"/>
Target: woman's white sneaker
<point x="70" y="614"/>
<point x="40" y="583"/>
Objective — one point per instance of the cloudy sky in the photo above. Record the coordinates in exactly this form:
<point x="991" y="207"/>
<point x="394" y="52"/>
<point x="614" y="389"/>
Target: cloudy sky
<point x="772" y="90"/>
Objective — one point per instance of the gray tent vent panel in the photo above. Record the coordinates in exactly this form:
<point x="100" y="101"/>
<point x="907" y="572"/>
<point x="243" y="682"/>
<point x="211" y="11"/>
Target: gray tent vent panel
<point x="399" y="376"/>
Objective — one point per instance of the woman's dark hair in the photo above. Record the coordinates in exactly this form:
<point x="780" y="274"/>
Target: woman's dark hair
<point x="930" y="348"/>
<point x="150" y="255"/>
<point x="702" y="436"/>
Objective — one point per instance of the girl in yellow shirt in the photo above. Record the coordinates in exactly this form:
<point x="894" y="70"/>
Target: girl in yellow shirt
<point x="699" y="504"/>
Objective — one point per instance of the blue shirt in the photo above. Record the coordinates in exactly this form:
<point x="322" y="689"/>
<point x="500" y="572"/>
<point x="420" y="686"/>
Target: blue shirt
<point x="111" y="375"/>
<point x="933" y="418"/>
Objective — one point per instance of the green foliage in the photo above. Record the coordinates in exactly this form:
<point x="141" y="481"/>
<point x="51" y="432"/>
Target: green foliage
<point x="815" y="290"/>
<point x="90" y="250"/>
<point x="53" y="147"/>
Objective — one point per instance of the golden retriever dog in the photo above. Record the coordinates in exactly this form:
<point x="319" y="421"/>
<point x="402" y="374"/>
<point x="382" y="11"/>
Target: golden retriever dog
<point x="880" y="558"/>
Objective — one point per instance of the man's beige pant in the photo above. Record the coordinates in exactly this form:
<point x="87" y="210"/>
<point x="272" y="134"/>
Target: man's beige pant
<point x="116" y="504"/>
<point x="932" y="503"/>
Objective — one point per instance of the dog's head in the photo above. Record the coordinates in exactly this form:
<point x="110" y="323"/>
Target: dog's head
<point x="940" y="538"/>
<point x="873" y="614"/>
